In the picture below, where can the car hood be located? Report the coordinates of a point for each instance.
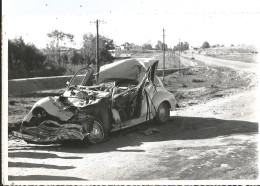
(132, 69)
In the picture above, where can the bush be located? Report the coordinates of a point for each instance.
(205, 45)
(24, 60)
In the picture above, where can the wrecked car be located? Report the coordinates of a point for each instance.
(126, 93)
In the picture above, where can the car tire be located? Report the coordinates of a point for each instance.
(162, 113)
(98, 133)
(102, 123)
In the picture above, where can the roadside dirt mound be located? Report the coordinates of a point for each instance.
(198, 85)
(237, 53)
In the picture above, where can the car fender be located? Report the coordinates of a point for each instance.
(53, 107)
(162, 96)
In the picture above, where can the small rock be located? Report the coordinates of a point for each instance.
(225, 166)
(216, 165)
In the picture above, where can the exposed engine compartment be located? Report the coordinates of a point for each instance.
(79, 106)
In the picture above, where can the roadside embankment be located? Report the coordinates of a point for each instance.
(28, 85)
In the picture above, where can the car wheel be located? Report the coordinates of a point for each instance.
(39, 114)
(98, 133)
(163, 113)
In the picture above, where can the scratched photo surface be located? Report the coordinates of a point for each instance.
(110, 91)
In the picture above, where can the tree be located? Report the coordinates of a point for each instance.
(185, 46)
(59, 41)
(205, 45)
(159, 46)
(108, 43)
(89, 49)
(76, 57)
(181, 46)
(105, 55)
(24, 60)
(147, 46)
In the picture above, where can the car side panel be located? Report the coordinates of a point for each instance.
(160, 96)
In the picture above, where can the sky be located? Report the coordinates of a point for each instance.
(136, 21)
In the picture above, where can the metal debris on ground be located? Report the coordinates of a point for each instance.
(150, 131)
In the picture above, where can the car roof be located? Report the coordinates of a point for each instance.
(125, 69)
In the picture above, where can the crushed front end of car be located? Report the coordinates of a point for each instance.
(51, 131)
(79, 113)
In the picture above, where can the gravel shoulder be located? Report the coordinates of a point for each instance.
(240, 106)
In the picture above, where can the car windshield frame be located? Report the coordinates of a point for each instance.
(77, 74)
(108, 82)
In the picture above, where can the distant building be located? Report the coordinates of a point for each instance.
(136, 47)
(115, 52)
(112, 52)
(195, 48)
(131, 47)
(125, 50)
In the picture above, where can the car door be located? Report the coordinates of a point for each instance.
(150, 85)
(149, 91)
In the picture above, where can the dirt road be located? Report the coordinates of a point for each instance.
(215, 140)
(238, 65)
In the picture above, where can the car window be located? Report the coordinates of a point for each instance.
(79, 77)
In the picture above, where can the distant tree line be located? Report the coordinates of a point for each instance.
(207, 45)
(159, 46)
(182, 46)
(59, 58)
(26, 60)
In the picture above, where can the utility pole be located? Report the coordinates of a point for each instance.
(97, 50)
(163, 47)
(97, 22)
(179, 55)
